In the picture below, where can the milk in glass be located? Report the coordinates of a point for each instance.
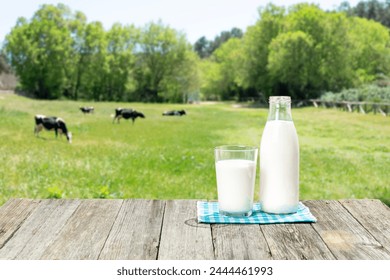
(235, 168)
(235, 183)
(279, 160)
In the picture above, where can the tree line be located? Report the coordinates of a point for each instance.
(373, 9)
(59, 54)
(300, 51)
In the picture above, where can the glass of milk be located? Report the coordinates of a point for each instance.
(235, 167)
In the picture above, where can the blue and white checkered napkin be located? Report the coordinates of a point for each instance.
(208, 212)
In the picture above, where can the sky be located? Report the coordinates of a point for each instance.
(195, 18)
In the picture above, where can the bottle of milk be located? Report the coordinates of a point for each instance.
(279, 159)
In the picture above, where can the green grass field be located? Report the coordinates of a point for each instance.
(343, 155)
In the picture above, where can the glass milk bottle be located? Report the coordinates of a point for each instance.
(279, 159)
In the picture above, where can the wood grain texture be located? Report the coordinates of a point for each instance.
(295, 242)
(239, 242)
(39, 230)
(86, 231)
(12, 215)
(153, 229)
(343, 234)
(136, 231)
(182, 238)
(374, 216)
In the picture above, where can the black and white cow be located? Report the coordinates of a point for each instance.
(87, 110)
(174, 113)
(127, 114)
(52, 123)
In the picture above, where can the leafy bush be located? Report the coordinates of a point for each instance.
(368, 93)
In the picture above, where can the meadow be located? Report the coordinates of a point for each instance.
(342, 155)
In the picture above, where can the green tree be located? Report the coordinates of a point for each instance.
(162, 54)
(369, 48)
(229, 57)
(210, 76)
(336, 69)
(329, 61)
(223, 37)
(205, 48)
(256, 47)
(92, 62)
(185, 80)
(75, 68)
(290, 66)
(373, 9)
(40, 51)
(308, 51)
(202, 47)
(121, 42)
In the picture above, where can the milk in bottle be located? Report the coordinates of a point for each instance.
(279, 159)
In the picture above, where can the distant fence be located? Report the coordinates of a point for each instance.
(352, 106)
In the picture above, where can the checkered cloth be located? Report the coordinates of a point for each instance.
(208, 212)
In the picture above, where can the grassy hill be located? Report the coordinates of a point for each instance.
(343, 155)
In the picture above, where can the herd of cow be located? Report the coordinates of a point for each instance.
(59, 126)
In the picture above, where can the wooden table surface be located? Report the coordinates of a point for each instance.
(167, 229)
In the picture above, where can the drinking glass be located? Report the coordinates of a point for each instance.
(235, 167)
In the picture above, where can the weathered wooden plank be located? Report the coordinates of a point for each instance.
(116, 229)
(239, 242)
(12, 215)
(373, 215)
(136, 231)
(182, 237)
(343, 234)
(39, 229)
(85, 232)
(295, 242)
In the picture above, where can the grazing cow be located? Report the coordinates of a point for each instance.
(127, 114)
(174, 113)
(52, 123)
(87, 110)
